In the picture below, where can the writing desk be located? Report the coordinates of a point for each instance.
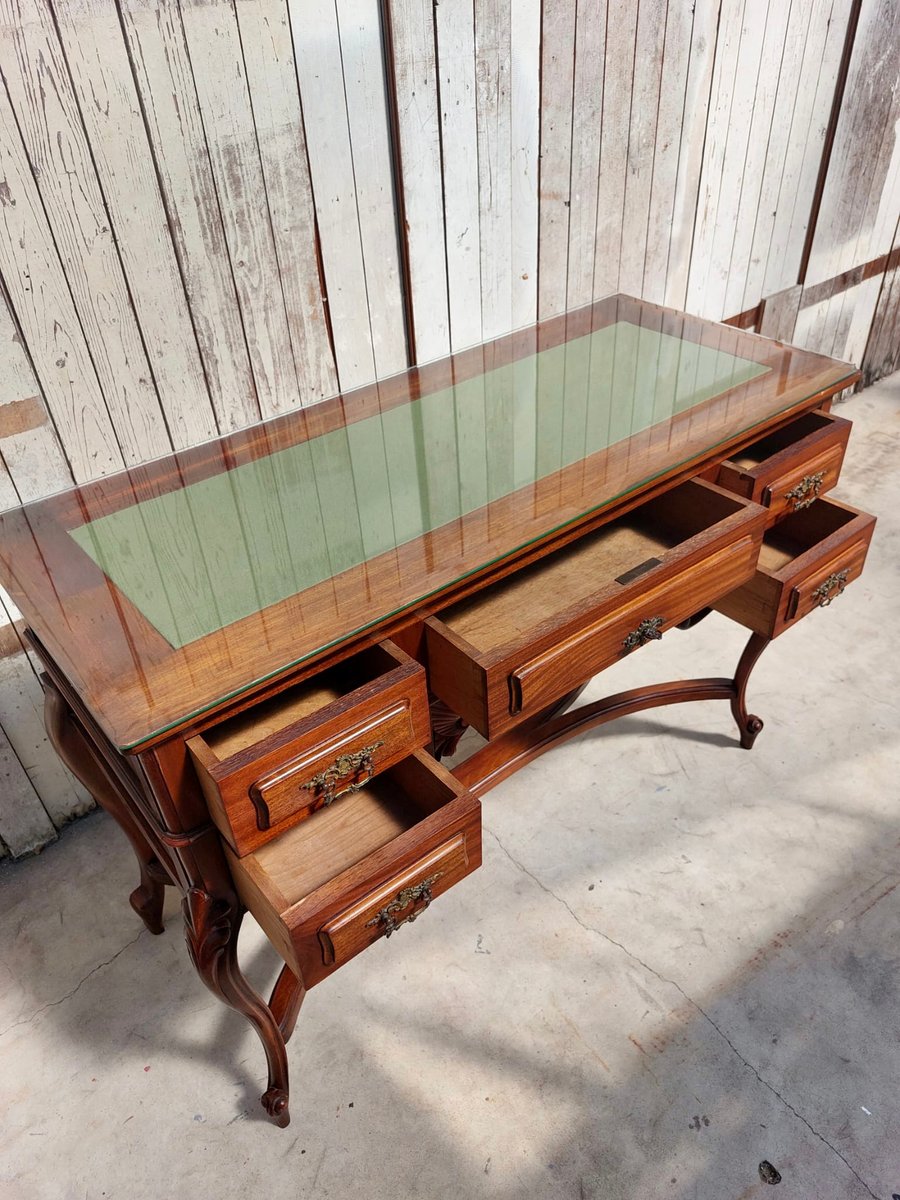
(257, 651)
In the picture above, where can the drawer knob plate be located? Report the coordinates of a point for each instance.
(806, 492)
(358, 766)
(648, 631)
(409, 896)
(831, 588)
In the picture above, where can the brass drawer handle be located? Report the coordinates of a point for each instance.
(404, 899)
(825, 592)
(806, 492)
(345, 766)
(648, 631)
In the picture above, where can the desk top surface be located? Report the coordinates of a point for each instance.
(171, 588)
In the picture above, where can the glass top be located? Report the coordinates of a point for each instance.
(277, 526)
(174, 587)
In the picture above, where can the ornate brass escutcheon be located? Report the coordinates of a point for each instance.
(831, 588)
(404, 899)
(648, 631)
(345, 766)
(806, 492)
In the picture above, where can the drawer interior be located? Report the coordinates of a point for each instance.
(619, 552)
(333, 839)
(773, 443)
(295, 703)
(799, 532)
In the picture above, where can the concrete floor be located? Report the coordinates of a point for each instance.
(679, 959)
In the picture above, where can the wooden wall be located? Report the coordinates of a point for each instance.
(215, 210)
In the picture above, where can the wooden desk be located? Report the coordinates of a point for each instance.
(257, 652)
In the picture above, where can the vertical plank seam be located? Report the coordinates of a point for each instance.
(320, 263)
(712, 80)
(215, 186)
(662, 67)
(440, 131)
(52, 236)
(837, 105)
(164, 200)
(26, 349)
(396, 151)
(265, 187)
(112, 229)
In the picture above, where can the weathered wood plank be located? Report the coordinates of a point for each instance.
(779, 314)
(462, 220)
(277, 117)
(217, 66)
(692, 143)
(39, 295)
(160, 62)
(860, 200)
(41, 93)
(670, 121)
(415, 93)
(104, 86)
(317, 51)
(24, 824)
(492, 74)
(33, 459)
(525, 75)
(818, 73)
(21, 715)
(621, 31)
(882, 353)
(642, 141)
(587, 107)
(557, 100)
(365, 87)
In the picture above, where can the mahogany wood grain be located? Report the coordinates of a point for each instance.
(797, 556)
(257, 768)
(514, 648)
(140, 688)
(316, 889)
(769, 470)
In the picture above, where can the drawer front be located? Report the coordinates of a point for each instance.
(804, 463)
(544, 678)
(801, 486)
(400, 901)
(823, 585)
(773, 600)
(335, 767)
(283, 778)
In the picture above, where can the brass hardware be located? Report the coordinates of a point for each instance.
(806, 492)
(406, 897)
(823, 592)
(647, 631)
(343, 767)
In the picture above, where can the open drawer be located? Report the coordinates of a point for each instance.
(511, 650)
(355, 872)
(805, 562)
(789, 469)
(282, 760)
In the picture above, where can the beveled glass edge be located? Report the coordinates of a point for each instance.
(201, 710)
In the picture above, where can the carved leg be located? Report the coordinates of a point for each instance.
(211, 929)
(287, 996)
(76, 751)
(748, 724)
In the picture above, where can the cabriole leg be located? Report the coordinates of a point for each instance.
(211, 929)
(748, 725)
(76, 751)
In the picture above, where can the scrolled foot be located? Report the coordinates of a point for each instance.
(750, 730)
(275, 1102)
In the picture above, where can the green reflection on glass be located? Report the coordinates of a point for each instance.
(197, 559)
